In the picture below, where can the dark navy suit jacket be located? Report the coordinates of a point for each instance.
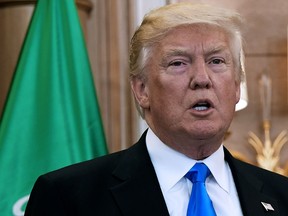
(125, 183)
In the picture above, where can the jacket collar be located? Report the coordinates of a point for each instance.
(138, 191)
(249, 189)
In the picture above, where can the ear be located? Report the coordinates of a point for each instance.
(140, 91)
(238, 91)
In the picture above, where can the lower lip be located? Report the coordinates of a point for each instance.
(202, 112)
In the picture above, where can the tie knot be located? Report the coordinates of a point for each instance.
(198, 173)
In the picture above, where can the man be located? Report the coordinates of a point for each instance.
(186, 67)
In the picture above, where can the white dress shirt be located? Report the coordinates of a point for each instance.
(171, 167)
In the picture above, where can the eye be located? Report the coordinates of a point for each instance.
(177, 66)
(176, 63)
(217, 61)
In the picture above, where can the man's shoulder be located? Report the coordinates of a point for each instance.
(267, 176)
(247, 169)
(95, 166)
(98, 168)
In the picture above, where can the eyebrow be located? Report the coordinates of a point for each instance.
(172, 53)
(176, 52)
(207, 52)
(216, 49)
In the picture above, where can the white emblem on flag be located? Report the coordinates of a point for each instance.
(18, 206)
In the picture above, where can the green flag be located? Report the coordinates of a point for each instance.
(51, 118)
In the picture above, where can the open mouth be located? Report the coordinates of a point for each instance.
(202, 106)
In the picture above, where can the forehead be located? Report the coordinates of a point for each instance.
(195, 37)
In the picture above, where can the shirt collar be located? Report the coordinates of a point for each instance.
(219, 168)
(162, 157)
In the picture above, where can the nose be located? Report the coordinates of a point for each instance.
(200, 79)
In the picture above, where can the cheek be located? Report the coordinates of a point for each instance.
(228, 94)
(231, 99)
(235, 92)
(166, 94)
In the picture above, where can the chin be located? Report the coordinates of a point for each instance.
(208, 133)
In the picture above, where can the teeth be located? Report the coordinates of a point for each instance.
(200, 108)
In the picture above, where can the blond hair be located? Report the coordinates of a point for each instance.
(157, 23)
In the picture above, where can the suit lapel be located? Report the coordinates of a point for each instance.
(249, 190)
(138, 192)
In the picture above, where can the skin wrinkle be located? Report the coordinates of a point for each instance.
(172, 89)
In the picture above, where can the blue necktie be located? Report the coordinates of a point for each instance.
(200, 203)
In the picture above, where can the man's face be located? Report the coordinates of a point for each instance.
(190, 91)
